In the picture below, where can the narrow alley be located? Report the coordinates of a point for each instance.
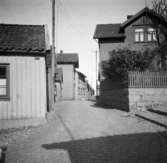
(81, 132)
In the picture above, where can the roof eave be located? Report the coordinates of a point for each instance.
(76, 64)
(111, 37)
(22, 53)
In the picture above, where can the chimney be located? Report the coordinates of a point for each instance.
(129, 16)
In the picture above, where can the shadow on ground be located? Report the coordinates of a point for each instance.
(132, 148)
(152, 121)
(102, 106)
(105, 106)
(158, 112)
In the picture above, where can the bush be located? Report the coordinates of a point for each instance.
(123, 60)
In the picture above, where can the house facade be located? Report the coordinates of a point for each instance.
(23, 82)
(68, 62)
(136, 33)
(81, 86)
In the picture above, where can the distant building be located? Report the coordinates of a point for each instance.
(68, 62)
(23, 78)
(83, 90)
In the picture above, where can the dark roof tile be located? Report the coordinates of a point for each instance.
(108, 31)
(68, 58)
(22, 38)
(81, 74)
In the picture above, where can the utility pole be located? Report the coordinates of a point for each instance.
(53, 55)
(96, 75)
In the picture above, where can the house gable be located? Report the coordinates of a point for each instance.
(143, 23)
(123, 35)
(116, 33)
(146, 12)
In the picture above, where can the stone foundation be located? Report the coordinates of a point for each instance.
(130, 98)
(147, 96)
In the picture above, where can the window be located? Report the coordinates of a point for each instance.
(4, 81)
(151, 34)
(139, 35)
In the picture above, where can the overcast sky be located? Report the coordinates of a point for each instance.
(76, 22)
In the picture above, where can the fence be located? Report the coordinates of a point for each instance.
(147, 79)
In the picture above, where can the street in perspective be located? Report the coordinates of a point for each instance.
(83, 132)
(83, 81)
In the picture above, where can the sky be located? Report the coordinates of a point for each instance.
(75, 23)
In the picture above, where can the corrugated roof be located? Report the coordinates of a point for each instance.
(108, 31)
(68, 58)
(22, 38)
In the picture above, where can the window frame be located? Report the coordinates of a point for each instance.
(152, 34)
(7, 96)
(140, 34)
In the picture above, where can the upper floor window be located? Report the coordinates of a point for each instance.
(139, 35)
(151, 34)
(4, 81)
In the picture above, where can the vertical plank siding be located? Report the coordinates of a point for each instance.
(147, 79)
(27, 88)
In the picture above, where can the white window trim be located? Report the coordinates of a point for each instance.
(7, 96)
(139, 35)
(151, 34)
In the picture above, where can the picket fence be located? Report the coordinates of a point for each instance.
(147, 79)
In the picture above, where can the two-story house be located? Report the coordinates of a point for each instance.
(136, 33)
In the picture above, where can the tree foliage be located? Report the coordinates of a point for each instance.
(123, 60)
(160, 7)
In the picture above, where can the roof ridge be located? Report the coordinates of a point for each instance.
(139, 13)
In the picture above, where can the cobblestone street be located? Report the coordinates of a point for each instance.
(81, 132)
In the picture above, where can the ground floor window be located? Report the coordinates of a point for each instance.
(4, 81)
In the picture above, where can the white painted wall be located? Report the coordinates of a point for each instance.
(27, 88)
(68, 92)
(76, 85)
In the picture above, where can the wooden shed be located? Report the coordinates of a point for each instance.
(23, 83)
